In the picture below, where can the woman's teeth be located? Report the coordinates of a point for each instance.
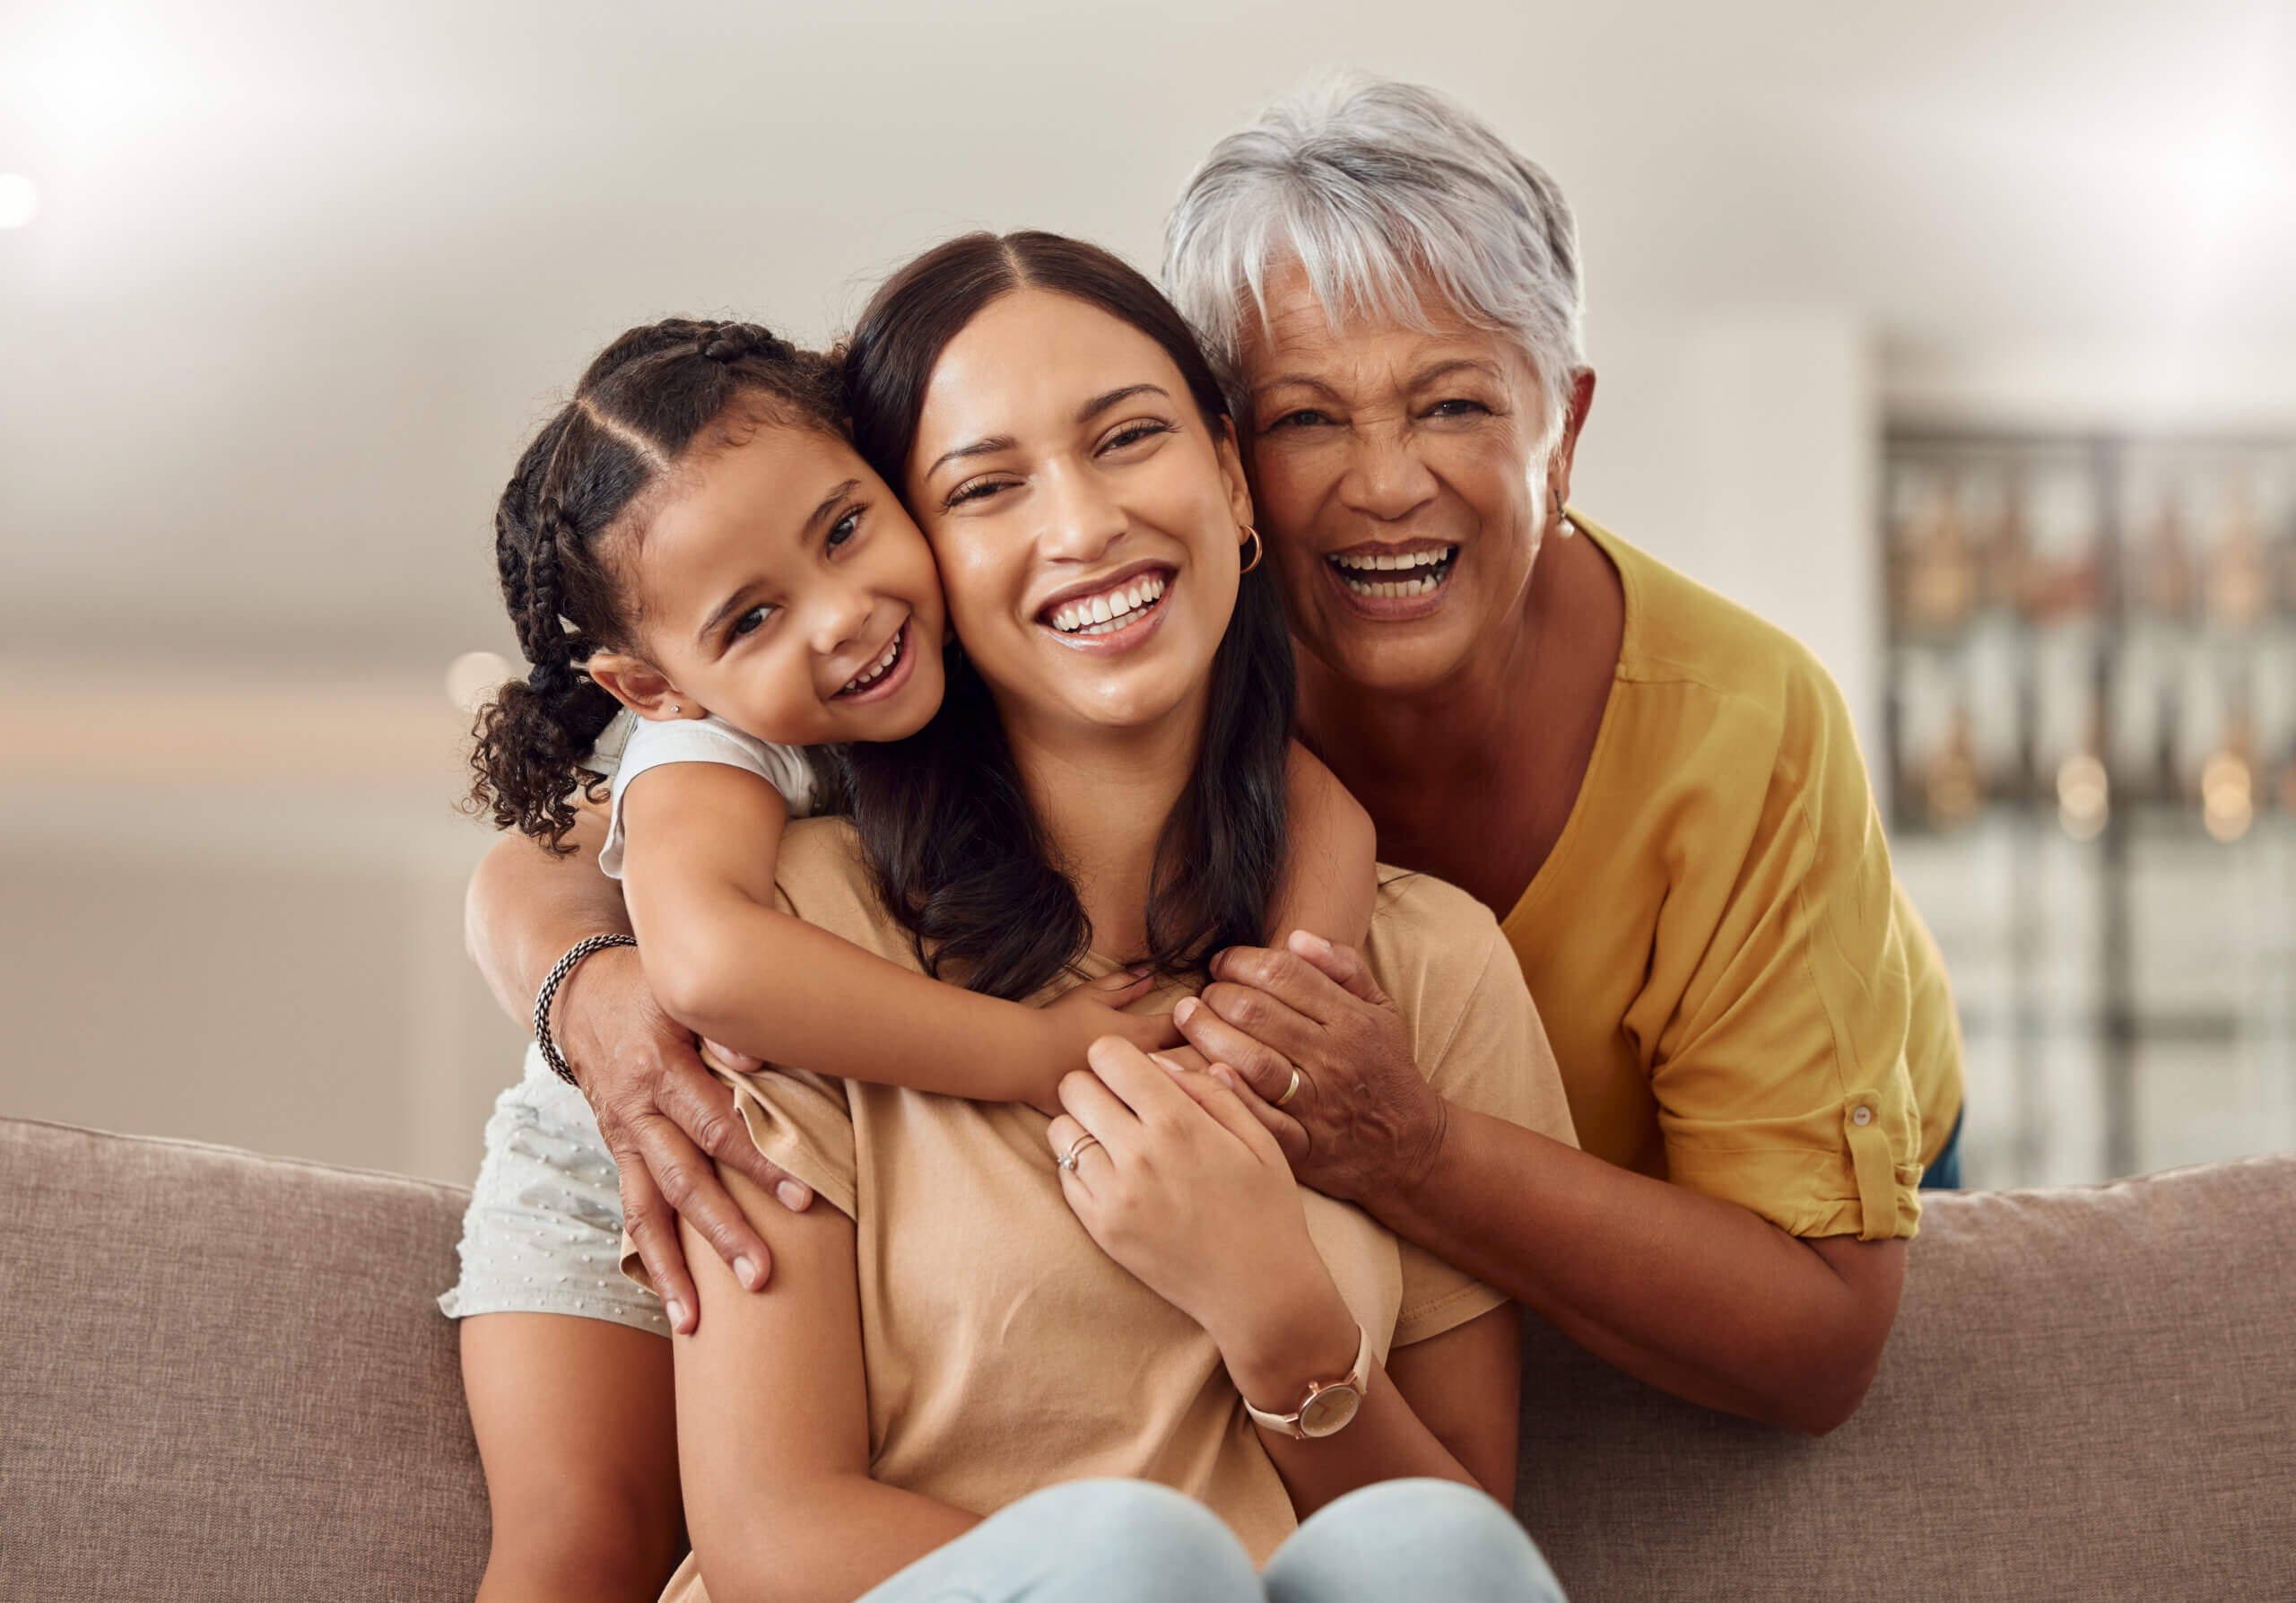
(1106, 613)
(1398, 574)
(877, 670)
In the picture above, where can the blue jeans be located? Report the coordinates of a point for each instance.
(1945, 1173)
(1128, 1541)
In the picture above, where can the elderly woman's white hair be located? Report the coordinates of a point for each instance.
(1378, 190)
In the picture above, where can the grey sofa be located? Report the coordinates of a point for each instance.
(224, 1379)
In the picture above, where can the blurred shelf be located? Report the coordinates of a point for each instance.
(2092, 739)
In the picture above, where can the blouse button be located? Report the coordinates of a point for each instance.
(1861, 1115)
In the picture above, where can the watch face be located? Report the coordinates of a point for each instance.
(1329, 1411)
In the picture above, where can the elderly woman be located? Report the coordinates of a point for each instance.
(1658, 793)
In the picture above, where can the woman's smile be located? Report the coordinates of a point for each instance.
(1392, 582)
(1110, 614)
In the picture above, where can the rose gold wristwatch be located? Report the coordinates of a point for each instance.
(1330, 1405)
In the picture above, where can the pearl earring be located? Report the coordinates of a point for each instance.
(676, 709)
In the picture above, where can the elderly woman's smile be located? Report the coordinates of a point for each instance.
(1375, 573)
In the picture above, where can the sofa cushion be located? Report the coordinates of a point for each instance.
(2089, 1394)
(224, 1379)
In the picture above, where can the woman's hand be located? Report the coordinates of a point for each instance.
(1364, 1124)
(665, 1118)
(1179, 1184)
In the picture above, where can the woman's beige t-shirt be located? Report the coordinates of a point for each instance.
(1005, 1351)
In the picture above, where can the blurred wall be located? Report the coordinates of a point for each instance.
(233, 914)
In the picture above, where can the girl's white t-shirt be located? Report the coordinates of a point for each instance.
(631, 745)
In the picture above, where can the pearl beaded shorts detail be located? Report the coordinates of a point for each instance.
(542, 1233)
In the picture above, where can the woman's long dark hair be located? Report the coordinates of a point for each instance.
(957, 851)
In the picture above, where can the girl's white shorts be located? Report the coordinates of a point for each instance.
(542, 1233)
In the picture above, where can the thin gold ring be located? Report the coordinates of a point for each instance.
(1067, 1165)
(1291, 1090)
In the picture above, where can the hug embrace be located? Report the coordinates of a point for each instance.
(1081, 1090)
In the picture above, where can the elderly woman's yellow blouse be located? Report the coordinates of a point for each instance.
(1740, 997)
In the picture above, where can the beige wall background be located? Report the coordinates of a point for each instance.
(304, 278)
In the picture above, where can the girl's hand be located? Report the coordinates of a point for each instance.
(1072, 1021)
(1364, 1125)
(1182, 1186)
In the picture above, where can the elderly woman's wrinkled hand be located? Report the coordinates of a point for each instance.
(667, 1122)
(1360, 1123)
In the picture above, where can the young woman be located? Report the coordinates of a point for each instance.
(692, 549)
(994, 1306)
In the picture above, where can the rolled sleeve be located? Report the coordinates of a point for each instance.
(1825, 1173)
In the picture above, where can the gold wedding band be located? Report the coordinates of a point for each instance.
(1291, 1090)
(1067, 1165)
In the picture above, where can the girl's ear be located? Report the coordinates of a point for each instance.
(1231, 473)
(640, 686)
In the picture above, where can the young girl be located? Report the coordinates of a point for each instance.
(706, 578)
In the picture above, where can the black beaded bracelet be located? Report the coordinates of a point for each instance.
(549, 993)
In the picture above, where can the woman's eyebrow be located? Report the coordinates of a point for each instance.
(979, 448)
(1288, 380)
(1100, 404)
(1444, 369)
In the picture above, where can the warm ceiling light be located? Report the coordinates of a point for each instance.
(19, 200)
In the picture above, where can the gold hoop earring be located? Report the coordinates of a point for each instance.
(1258, 550)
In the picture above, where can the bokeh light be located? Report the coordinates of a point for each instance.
(2084, 796)
(2226, 797)
(474, 677)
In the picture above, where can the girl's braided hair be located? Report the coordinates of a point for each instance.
(639, 406)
